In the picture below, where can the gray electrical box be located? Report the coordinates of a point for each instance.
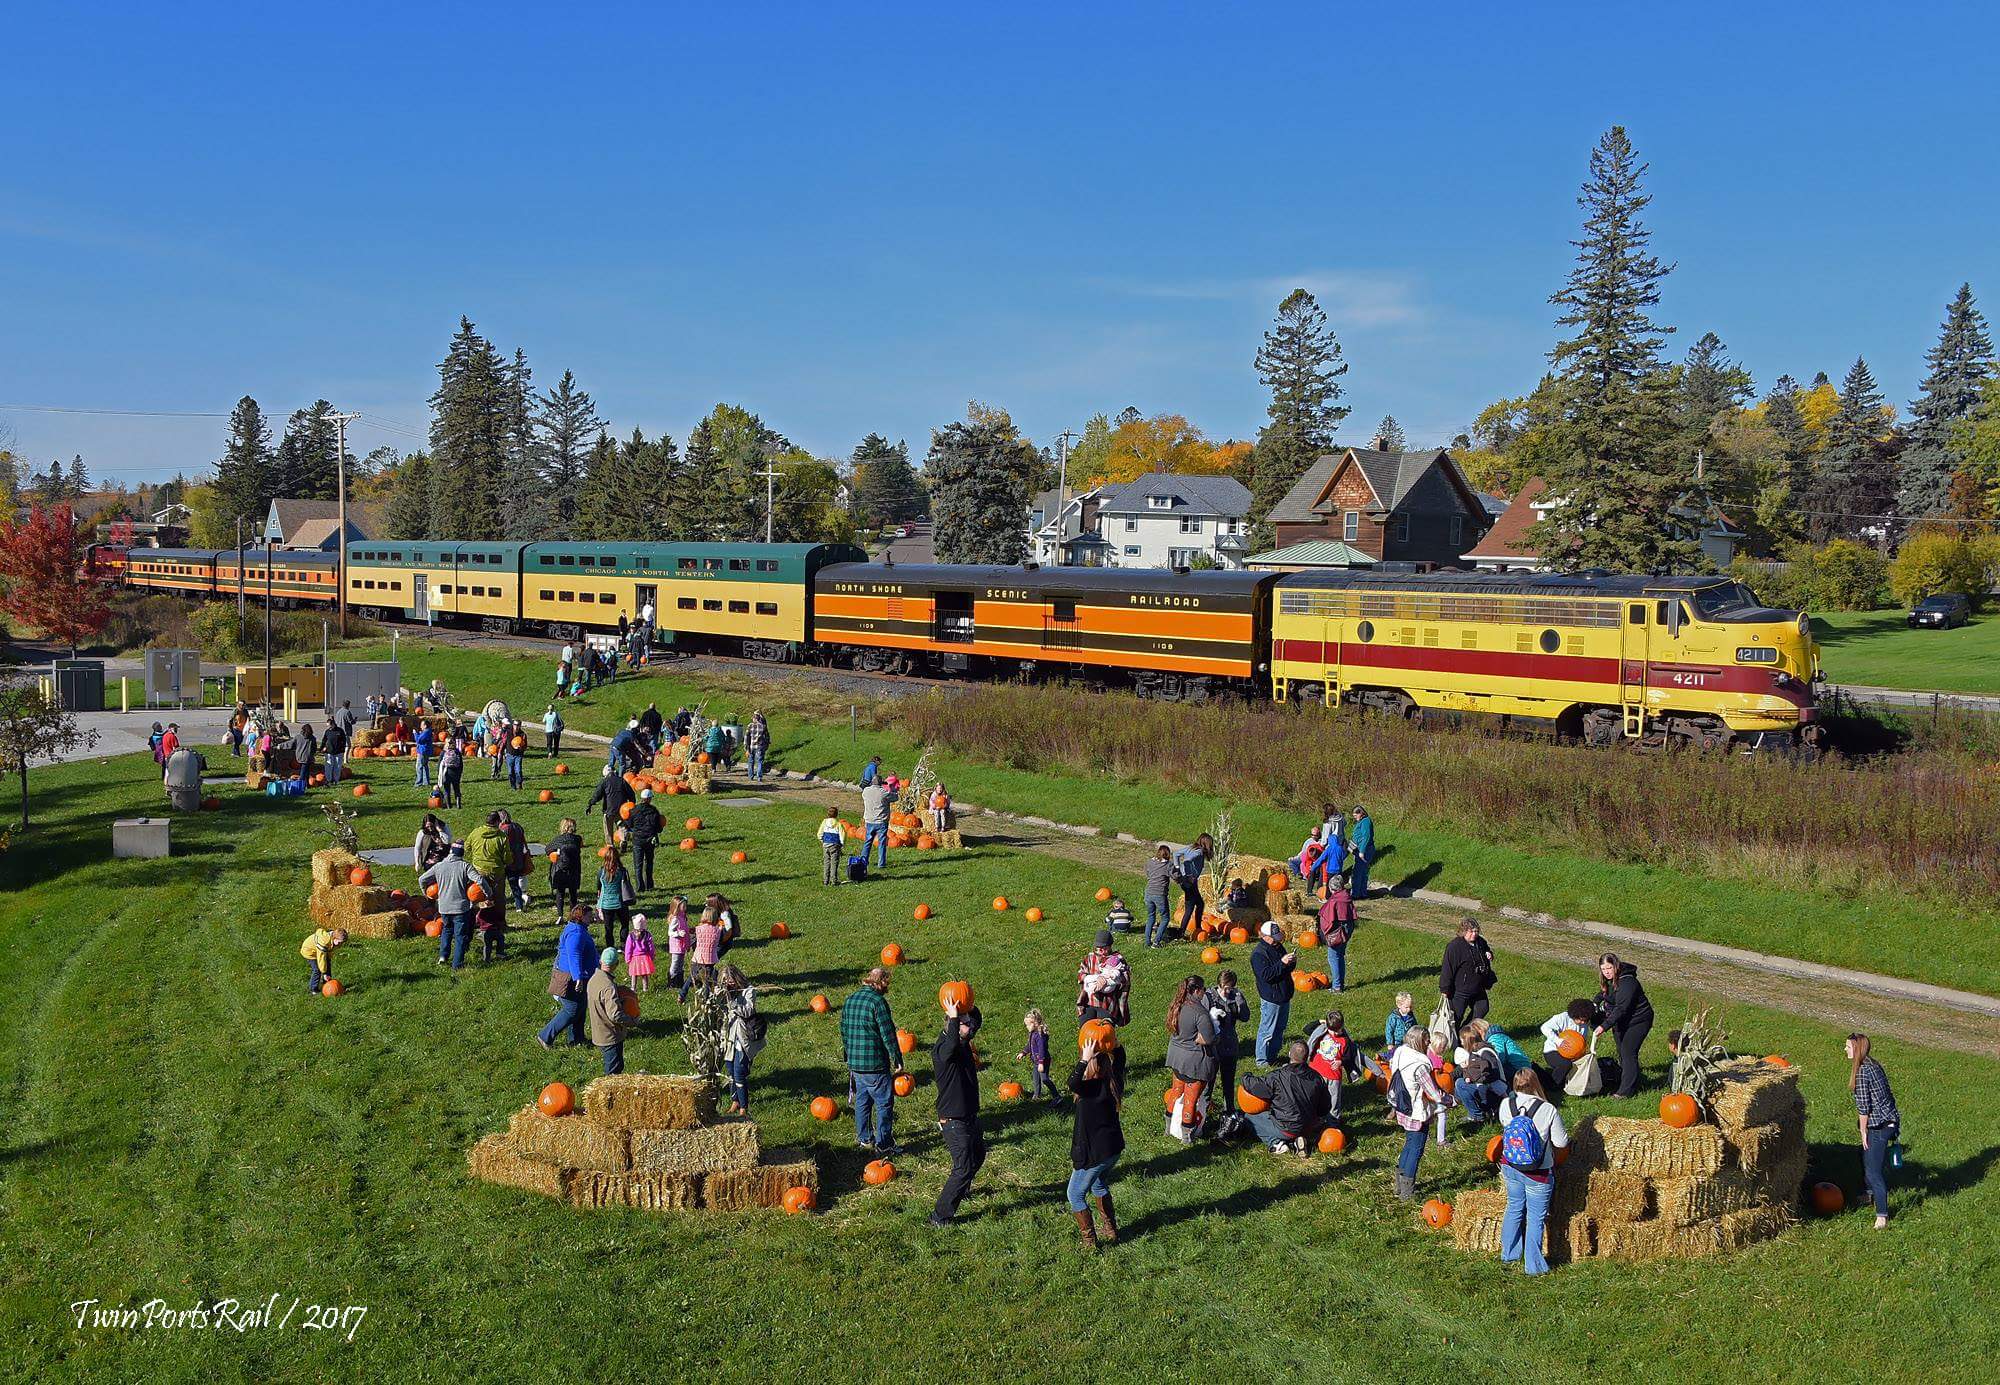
(80, 684)
(173, 676)
(352, 682)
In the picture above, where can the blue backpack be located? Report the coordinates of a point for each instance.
(1521, 1143)
(1399, 1096)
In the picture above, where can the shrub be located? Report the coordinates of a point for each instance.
(1841, 576)
(1932, 562)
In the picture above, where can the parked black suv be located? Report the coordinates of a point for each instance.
(1941, 612)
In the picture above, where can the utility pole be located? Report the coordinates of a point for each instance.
(1062, 490)
(239, 581)
(270, 554)
(770, 475)
(340, 422)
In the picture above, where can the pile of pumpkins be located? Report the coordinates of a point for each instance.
(907, 829)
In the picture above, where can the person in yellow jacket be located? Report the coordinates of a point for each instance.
(317, 949)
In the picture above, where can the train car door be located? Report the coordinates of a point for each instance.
(1632, 658)
(420, 595)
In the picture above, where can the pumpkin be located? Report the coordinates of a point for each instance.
(818, 1005)
(1305, 983)
(631, 779)
(546, 796)
(434, 928)
(604, 853)
(904, 1084)
(436, 802)
(628, 1001)
(999, 903)
(1332, 1140)
(361, 791)
(687, 843)
(1778, 1060)
(800, 1199)
(921, 912)
(1034, 916)
(702, 758)
(562, 769)
(331, 987)
(1493, 1150)
(1239, 936)
(431, 891)
(1101, 1032)
(475, 892)
(624, 812)
(892, 955)
(737, 858)
(399, 897)
(823, 1108)
(926, 842)
(1571, 1045)
(1437, 1213)
(1678, 1109)
(1210, 956)
(557, 1100)
(955, 993)
(554, 857)
(905, 1040)
(1009, 1091)
(1827, 1198)
(692, 824)
(1277, 882)
(877, 1171)
(1309, 938)
(209, 805)
(781, 929)
(1103, 894)
(520, 742)
(1248, 1104)
(360, 875)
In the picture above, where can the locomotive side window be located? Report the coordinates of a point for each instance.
(1551, 641)
(1635, 614)
(1365, 631)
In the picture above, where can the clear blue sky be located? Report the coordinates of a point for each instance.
(856, 218)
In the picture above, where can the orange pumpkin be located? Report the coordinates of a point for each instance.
(1210, 956)
(904, 1084)
(628, 1001)
(1305, 983)
(520, 742)
(892, 955)
(1101, 1032)
(1103, 894)
(1827, 1198)
(361, 791)
(431, 891)
(1778, 1060)
(737, 858)
(1239, 936)
(702, 758)
(692, 824)
(330, 987)
(399, 897)
(687, 843)
(1332, 1140)
(926, 842)
(546, 796)
(434, 928)
(1000, 904)
(436, 802)
(1493, 1150)
(1250, 1105)
(562, 769)
(360, 875)
(781, 929)
(475, 892)
(877, 1171)
(1277, 881)
(921, 912)
(624, 812)
(1437, 1213)
(1679, 1110)
(557, 1100)
(818, 1005)
(905, 1040)
(1009, 1091)
(605, 853)
(1034, 916)
(823, 1108)
(1571, 1045)
(800, 1199)
(209, 805)
(1309, 938)
(554, 857)
(955, 993)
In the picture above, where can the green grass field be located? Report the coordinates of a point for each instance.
(1876, 649)
(183, 1121)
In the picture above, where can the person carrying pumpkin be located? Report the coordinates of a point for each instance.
(1622, 1008)
(454, 877)
(565, 867)
(607, 1012)
(956, 1071)
(1295, 1104)
(1559, 1051)
(1097, 1133)
(873, 1057)
(1190, 1059)
(318, 950)
(575, 950)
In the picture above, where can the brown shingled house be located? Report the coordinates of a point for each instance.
(1393, 506)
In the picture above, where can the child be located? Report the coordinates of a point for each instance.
(831, 838)
(1332, 1055)
(1037, 1054)
(1239, 895)
(1119, 920)
(680, 936)
(1574, 1018)
(1483, 1084)
(1227, 1007)
(1159, 875)
(317, 949)
(1400, 1021)
(707, 947)
(639, 954)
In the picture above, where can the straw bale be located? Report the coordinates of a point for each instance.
(495, 1160)
(713, 1149)
(386, 926)
(1476, 1216)
(256, 779)
(645, 1192)
(1576, 1238)
(368, 737)
(1656, 1240)
(642, 1101)
(346, 903)
(1768, 1148)
(570, 1141)
(699, 777)
(953, 840)
(1754, 1093)
(1686, 1201)
(1603, 1194)
(737, 1190)
(330, 867)
(1248, 916)
(1648, 1147)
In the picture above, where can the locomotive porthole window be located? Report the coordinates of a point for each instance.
(1551, 641)
(1365, 631)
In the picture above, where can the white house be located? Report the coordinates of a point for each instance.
(1163, 520)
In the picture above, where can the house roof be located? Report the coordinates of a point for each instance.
(1508, 538)
(1222, 496)
(310, 523)
(1389, 474)
(1312, 553)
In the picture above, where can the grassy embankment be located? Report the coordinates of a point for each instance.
(184, 1121)
(1876, 649)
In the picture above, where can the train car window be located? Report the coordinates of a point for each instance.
(645, 562)
(767, 608)
(548, 595)
(567, 560)
(739, 564)
(711, 605)
(1551, 641)
(565, 596)
(1365, 631)
(767, 565)
(686, 564)
(1063, 608)
(1635, 614)
(712, 564)
(546, 560)
(741, 608)
(686, 603)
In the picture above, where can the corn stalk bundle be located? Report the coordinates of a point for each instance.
(1215, 878)
(340, 823)
(702, 1026)
(1702, 1058)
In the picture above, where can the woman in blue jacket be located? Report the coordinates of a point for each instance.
(1361, 846)
(576, 963)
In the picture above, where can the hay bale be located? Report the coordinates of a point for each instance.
(712, 1149)
(1577, 1238)
(570, 1141)
(495, 1160)
(644, 1192)
(1476, 1217)
(386, 926)
(1651, 1148)
(641, 1101)
(330, 867)
(1658, 1240)
(1768, 1148)
(1250, 916)
(1686, 1201)
(700, 778)
(256, 779)
(1602, 1194)
(1753, 1093)
(368, 737)
(346, 903)
(953, 840)
(738, 1190)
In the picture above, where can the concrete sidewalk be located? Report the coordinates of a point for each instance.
(126, 733)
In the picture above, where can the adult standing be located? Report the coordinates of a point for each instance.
(1622, 1007)
(742, 1036)
(1528, 1168)
(1360, 851)
(576, 954)
(1228, 1007)
(1097, 1136)
(875, 819)
(552, 729)
(432, 845)
(615, 897)
(1466, 974)
(1189, 863)
(518, 864)
(607, 1013)
(333, 746)
(424, 741)
(1881, 1122)
(1190, 1058)
(454, 876)
(1272, 965)
(565, 867)
(305, 748)
(1104, 983)
(1337, 921)
(956, 1074)
(868, 1046)
(645, 826)
(451, 771)
(651, 722)
(1410, 1071)
(614, 793)
(490, 853)
(1297, 1103)
(757, 744)
(514, 747)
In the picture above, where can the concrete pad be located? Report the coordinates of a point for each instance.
(747, 801)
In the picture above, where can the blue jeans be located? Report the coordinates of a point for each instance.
(1267, 1127)
(614, 1057)
(457, 933)
(874, 1092)
(1413, 1151)
(756, 764)
(877, 832)
(1479, 1100)
(1527, 1212)
(1336, 966)
(569, 1015)
(739, 1080)
(333, 768)
(1874, 1165)
(423, 770)
(1358, 878)
(1159, 916)
(1271, 1017)
(1094, 1181)
(513, 770)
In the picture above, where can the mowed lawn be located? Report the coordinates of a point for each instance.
(1876, 649)
(183, 1121)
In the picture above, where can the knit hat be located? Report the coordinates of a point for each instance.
(1104, 937)
(608, 957)
(638, 920)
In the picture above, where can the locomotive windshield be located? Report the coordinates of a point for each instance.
(1711, 602)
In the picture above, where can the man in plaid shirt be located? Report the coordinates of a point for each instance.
(868, 1047)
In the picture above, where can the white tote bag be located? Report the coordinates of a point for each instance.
(1584, 1077)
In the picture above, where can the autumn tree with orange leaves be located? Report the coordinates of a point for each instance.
(44, 578)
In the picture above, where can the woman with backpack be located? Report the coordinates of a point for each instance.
(742, 1035)
(1531, 1131)
(1414, 1097)
(1190, 1058)
(1336, 928)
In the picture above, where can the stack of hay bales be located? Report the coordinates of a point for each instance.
(643, 1142)
(365, 911)
(948, 838)
(369, 737)
(700, 777)
(1292, 907)
(1642, 1190)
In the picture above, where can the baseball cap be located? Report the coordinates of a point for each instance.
(608, 957)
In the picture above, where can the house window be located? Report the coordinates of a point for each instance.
(1350, 525)
(1131, 550)
(1403, 527)
(1190, 524)
(1159, 502)
(1457, 530)
(767, 608)
(1181, 557)
(1131, 526)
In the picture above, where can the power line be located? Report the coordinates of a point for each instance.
(121, 413)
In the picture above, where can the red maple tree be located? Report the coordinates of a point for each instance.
(45, 581)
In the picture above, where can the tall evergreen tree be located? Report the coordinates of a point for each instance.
(243, 481)
(980, 475)
(1959, 364)
(1781, 411)
(602, 501)
(566, 422)
(1711, 384)
(525, 512)
(1621, 484)
(1277, 461)
(304, 466)
(1299, 362)
(1788, 488)
(1854, 488)
(725, 495)
(653, 481)
(1389, 435)
(409, 515)
(78, 479)
(886, 489)
(470, 434)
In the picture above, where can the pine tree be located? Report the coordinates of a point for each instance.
(651, 475)
(1389, 435)
(1299, 362)
(304, 467)
(243, 480)
(601, 499)
(525, 512)
(1853, 488)
(469, 438)
(725, 494)
(78, 480)
(1959, 365)
(565, 423)
(409, 515)
(1621, 483)
(886, 488)
(1711, 384)
(1787, 489)
(10, 486)
(1277, 462)
(980, 474)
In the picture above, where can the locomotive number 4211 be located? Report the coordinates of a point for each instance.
(1691, 680)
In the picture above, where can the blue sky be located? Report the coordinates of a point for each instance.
(855, 218)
